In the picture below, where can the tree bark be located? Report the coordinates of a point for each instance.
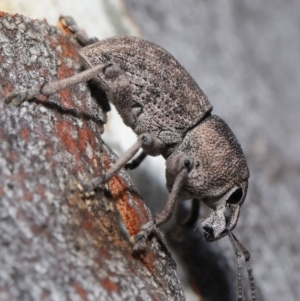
(55, 244)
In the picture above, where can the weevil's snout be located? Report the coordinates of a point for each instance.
(225, 215)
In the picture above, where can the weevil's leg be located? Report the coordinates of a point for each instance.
(247, 257)
(192, 218)
(239, 266)
(79, 34)
(186, 164)
(145, 141)
(165, 215)
(17, 98)
(136, 162)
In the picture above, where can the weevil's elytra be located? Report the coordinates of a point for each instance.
(166, 99)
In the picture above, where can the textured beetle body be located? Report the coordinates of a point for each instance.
(167, 103)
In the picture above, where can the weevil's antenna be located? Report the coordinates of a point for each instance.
(239, 250)
(239, 267)
(247, 257)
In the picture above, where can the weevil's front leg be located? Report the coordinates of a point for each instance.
(79, 34)
(17, 98)
(184, 165)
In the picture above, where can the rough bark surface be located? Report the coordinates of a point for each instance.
(55, 245)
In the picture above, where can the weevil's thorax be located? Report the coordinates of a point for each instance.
(219, 162)
(166, 99)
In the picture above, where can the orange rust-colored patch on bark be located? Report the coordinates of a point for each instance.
(1, 191)
(63, 129)
(147, 259)
(109, 285)
(133, 212)
(81, 291)
(66, 99)
(87, 137)
(40, 189)
(63, 28)
(1, 14)
(68, 50)
(25, 133)
(87, 223)
(7, 88)
(154, 298)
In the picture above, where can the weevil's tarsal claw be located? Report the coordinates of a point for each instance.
(140, 240)
(70, 23)
(79, 34)
(16, 98)
(93, 183)
(85, 194)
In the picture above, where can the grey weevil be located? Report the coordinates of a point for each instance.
(171, 115)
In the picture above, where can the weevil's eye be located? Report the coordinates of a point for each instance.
(186, 161)
(208, 231)
(235, 197)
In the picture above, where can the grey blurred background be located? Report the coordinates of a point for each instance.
(245, 55)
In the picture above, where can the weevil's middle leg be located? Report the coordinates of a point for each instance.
(145, 141)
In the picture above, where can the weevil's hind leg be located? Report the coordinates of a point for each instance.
(185, 164)
(17, 98)
(136, 162)
(79, 34)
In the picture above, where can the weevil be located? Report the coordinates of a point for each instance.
(172, 117)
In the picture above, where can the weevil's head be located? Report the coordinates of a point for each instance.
(226, 213)
(219, 177)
